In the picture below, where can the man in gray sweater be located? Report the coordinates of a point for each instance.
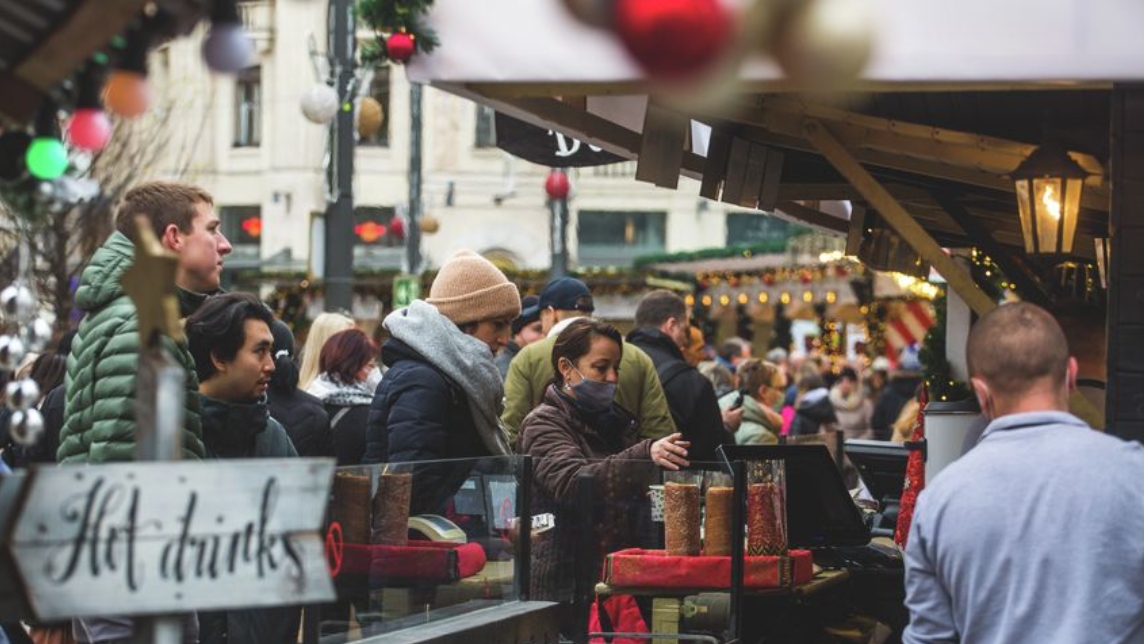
(1034, 535)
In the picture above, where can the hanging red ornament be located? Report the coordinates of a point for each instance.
(804, 276)
(841, 271)
(399, 47)
(769, 279)
(397, 227)
(557, 185)
(673, 39)
(89, 127)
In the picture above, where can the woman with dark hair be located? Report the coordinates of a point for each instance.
(344, 366)
(578, 429)
(301, 413)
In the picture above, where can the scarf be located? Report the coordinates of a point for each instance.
(464, 359)
(337, 394)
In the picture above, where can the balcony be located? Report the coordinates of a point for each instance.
(258, 19)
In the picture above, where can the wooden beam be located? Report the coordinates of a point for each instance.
(589, 128)
(661, 146)
(952, 146)
(897, 217)
(1027, 284)
(90, 26)
(812, 217)
(715, 169)
(548, 89)
(900, 146)
(21, 99)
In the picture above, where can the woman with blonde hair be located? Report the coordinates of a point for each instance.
(323, 327)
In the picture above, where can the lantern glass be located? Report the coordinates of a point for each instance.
(1048, 204)
(1102, 247)
(1024, 204)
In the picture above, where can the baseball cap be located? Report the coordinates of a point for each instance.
(566, 294)
(529, 313)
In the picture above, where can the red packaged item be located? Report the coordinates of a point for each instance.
(656, 569)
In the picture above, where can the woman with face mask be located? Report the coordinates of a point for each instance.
(761, 389)
(578, 429)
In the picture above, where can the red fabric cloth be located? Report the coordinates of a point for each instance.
(621, 615)
(419, 561)
(915, 475)
(656, 569)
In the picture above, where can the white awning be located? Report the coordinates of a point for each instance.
(968, 42)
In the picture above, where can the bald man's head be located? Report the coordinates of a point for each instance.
(1017, 349)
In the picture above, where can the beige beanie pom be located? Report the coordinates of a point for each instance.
(469, 288)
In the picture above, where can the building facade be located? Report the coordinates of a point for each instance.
(245, 140)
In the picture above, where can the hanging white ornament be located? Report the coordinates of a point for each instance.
(23, 394)
(17, 302)
(11, 352)
(37, 335)
(320, 104)
(26, 427)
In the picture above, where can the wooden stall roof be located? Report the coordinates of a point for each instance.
(44, 42)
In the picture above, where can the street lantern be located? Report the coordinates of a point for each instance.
(1049, 184)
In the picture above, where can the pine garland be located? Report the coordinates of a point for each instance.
(938, 372)
(387, 17)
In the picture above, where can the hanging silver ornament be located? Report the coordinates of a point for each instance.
(26, 427)
(11, 352)
(37, 335)
(23, 394)
(17, 302)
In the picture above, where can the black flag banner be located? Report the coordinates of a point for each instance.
(547, 147)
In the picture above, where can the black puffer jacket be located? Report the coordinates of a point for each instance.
(814, 414)
(419, 414)
(690, 396)
(304, 418)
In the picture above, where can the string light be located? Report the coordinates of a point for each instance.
(764, 297)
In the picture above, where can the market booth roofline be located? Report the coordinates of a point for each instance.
(926, 141)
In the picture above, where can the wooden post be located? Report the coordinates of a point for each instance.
(160, 383)
(1124, 405)
(896, 215)
(958, 320)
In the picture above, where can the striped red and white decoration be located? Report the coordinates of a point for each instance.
(907, 325)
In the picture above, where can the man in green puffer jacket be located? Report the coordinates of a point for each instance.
(99, 416)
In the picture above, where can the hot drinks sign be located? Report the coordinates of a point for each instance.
(154, 538)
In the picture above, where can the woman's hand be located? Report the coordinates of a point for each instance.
(670, 452)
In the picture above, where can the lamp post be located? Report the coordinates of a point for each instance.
(1049, 184)
(557, 186)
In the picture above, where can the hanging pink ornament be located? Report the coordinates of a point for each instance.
(89, 129)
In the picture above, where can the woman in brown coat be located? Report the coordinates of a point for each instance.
(577, 430)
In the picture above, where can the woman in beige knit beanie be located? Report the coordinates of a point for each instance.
(477, 297)
(443, 395)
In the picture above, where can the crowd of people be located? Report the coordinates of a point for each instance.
(474, 370)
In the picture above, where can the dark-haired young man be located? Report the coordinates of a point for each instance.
(229, 337)
(105, 352)
(1033, 535)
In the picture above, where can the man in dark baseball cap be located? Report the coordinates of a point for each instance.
(565, 298)
(561, 301)
(526, 329)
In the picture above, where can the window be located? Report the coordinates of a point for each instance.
(617, 238)
(379, 90)
(377, 242)
(486, 127)
(755, 228)
(242, 226)
(248, 108)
